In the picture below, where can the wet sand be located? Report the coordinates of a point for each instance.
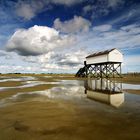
(65, 113)
(61, 120)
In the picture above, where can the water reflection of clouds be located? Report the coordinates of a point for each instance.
(73, 90)
(130, 86)
(25, 85)
(65, 93)
(31, 82)
(23, 78)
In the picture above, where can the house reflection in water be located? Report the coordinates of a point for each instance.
(106, 91)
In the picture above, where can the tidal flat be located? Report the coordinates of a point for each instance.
(55, 107)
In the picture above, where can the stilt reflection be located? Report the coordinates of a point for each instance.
(104, 90)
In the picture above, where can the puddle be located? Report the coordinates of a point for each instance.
(92, 109)
(48, 76)
(76, 91)
(31, 84)
(23, 78)
(130, 86)
(28, 84)
(63, 93)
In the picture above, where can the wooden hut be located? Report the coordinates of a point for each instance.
(108, 56)
(102, 64)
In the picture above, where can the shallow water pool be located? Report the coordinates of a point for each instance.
(70, 110)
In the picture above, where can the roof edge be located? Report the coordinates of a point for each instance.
(101, 53)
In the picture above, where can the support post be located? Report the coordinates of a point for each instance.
(85, 64)
(120, 69)
(113, 70)
(107, 70)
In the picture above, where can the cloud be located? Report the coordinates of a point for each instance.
(87, 8)
(66, 2)
(114, 3)
(53, 61)
(30, 8)
(71, 59)
(5, 57)
(6, 10)
(37, 40)
(3, 53)
(131, 63)
(77, 24)
(130, 14)
(25, 11)
(19, 69)
(104, 38)
(102, 7)
(6, 30)
(61, 61)
(102, 28)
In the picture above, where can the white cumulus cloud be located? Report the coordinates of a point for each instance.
(37, 40)
(74, 25)
(25, 11)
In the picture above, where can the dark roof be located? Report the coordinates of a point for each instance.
(100, 53)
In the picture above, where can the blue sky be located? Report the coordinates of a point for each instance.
(56, 35)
